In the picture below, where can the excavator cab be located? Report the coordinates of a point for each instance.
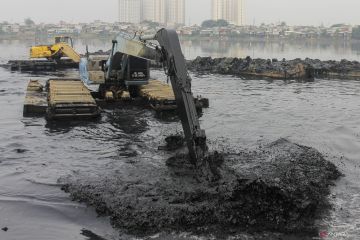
(128, 70)
(64, 39)
(120, 71)
(117, 71)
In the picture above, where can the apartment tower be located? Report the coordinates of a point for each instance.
(130, 11)
(154, 10)
(169, 12)
(229, 10)
(175, 12)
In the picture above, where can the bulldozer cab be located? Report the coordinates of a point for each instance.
(64, 39)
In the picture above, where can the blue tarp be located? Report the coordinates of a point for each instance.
(84, 74)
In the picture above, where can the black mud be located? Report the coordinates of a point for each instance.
(273, 68)
(173, 142)
(282, 187)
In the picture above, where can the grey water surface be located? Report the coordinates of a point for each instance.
(34, 154)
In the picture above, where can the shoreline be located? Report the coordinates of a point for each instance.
(186, 38)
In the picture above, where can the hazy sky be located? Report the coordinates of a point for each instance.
(310, 12)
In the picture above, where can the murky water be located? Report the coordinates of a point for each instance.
(34, 154)
(268, 49)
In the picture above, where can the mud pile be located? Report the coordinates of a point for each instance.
(281, 187)
(284, 69)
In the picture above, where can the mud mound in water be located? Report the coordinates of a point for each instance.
(284, 69)
(280, 187)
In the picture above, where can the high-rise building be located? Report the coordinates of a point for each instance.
(170, 12)
(154, 10)
(237, 12)
(130, 11)
(175, 12)
(218, 8)
(229, 10)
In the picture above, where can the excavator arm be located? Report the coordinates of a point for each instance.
(64, 49)
(174, 61)
(164, 47)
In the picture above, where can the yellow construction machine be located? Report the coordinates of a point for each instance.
(63, 47)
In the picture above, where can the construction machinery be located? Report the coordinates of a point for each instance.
(44, 58)
(126, 72)
(163, 47)
(63, 47)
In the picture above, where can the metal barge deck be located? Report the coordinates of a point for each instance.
(70, 98)
(35, 99)
(160, 97)
(39, 65)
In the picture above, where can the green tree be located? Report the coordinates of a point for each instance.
(214, 23)
(356, 32)
(151, 23)
(337, 25)
(208, 24)
(222, 23)
(323, 33)
(29, 22)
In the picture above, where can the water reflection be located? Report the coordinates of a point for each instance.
(324, 114)
(255, 48)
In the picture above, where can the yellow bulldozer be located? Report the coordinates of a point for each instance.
(63, 47)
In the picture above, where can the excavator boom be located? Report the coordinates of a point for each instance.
(66, 50)
(174, 61)
(165, 47)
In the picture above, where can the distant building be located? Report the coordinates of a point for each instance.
(130, 11)
(175, 12)
(154, 10)
(11, 28)
(229, 10)
(217, 9)
(169, 12)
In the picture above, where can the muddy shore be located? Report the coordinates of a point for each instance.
(281, 187)
(306, 69)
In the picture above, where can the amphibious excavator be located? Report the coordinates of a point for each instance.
(127, 69)
(60, 55)
(63, 47)
(166, 49)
